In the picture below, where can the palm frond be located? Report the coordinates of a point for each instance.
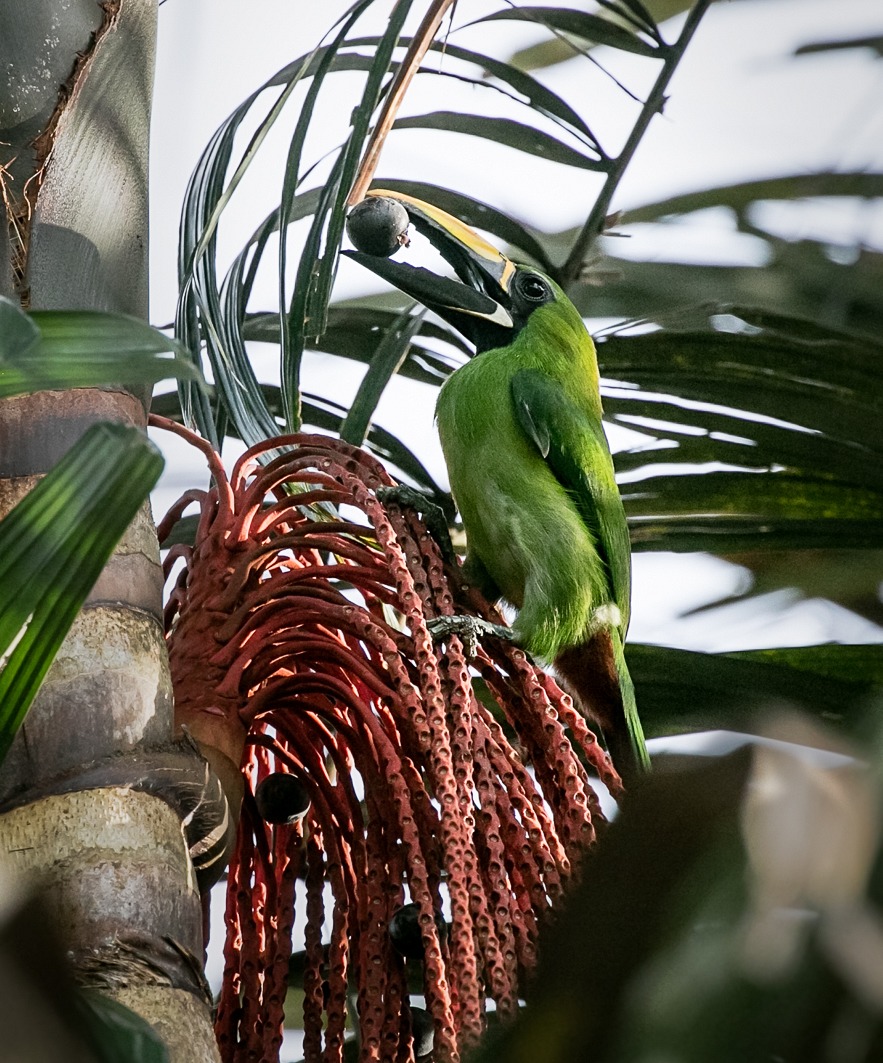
(215, 320)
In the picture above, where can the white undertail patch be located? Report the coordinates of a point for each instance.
(607, 615)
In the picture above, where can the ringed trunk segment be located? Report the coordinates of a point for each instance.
(108, 692)
(97, 748)
(115, 869)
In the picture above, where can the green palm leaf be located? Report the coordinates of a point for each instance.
(57, 349)
(680, 691)
(54, 544)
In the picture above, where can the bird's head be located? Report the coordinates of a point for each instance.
(493, 298)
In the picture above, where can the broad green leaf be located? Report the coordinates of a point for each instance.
(725, 512)
(591, 28)
(679, 691)
(57, 349)
(288, 357)
(355, 332)
(874, 42)
(503, 131)
(831, 385)
(527, 89)
(200, 316)
(19, 336)
(116, 1033)
(54, 544)
(741, 195)
(333, 206)
(859, 666)
(386, 362)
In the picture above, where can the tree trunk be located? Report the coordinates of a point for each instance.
(87, 812)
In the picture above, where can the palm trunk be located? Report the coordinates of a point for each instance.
(73, 143)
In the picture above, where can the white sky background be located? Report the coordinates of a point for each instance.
(739, 108)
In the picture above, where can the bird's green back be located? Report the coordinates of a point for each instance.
(531, 472)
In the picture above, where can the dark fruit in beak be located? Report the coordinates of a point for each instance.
(378, 226)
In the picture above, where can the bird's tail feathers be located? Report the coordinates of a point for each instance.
(596, 674)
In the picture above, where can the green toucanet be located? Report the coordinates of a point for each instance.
(530, 467)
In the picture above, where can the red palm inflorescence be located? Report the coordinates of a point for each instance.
(435, 787)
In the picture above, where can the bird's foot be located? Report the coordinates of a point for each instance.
(433, 515)
(470, 630)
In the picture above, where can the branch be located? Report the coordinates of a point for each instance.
(417, 49)
(654, 103)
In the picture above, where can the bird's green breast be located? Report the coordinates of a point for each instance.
(520, 523)
(494, 472)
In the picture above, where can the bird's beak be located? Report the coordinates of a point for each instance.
(478, 304)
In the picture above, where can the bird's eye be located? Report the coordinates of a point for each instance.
(533, 289)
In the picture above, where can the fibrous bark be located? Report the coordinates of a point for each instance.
(95, 759)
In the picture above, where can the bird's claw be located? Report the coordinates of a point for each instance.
(470, 629)
(433, 515)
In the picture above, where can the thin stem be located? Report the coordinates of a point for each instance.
(654, 103)
(568, 42)
(418, 48)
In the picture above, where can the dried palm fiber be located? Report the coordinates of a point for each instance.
(298, 643)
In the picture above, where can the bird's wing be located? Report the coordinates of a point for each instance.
(573, 444)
